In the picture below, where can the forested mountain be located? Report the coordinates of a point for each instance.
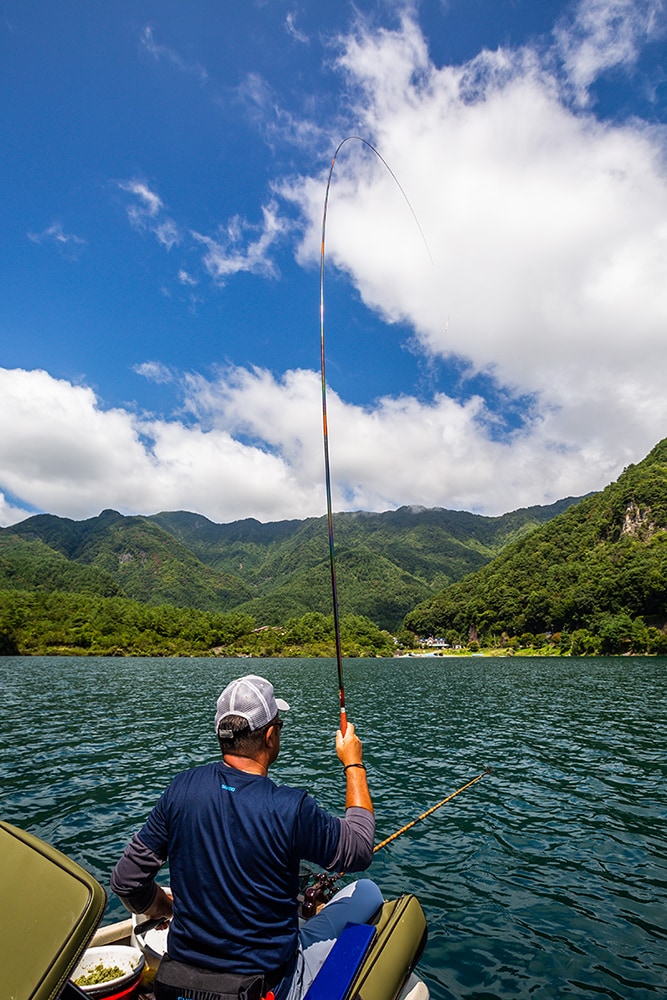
(386, 563)
(141, 559)
(30, 564)
(589, 574)
(597, 571)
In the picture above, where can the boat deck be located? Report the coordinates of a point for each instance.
(121, 933)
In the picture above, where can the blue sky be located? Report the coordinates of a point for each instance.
(162, 184)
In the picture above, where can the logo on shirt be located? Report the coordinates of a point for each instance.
(228, 788)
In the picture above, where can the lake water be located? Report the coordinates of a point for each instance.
(547, 878)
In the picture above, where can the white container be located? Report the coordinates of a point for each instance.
(130, 960)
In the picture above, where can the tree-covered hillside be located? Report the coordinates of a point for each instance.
(146, 562)
(387, 563)
(599, 568)
(590, 574)
(30, 564)
(64, 624)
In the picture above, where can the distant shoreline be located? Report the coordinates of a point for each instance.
(521, 654)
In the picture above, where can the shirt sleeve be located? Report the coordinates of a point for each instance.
(316, 831)
(334, 843)
(133, 877)
(355, 844)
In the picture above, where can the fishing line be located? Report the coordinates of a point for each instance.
(325, 428)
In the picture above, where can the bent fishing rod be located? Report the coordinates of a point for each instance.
(325, 427)
(324, 886)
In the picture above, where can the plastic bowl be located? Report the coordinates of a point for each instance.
(130, 960)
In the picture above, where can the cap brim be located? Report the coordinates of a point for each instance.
(282, 705)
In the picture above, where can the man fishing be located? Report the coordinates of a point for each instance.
(234, 841)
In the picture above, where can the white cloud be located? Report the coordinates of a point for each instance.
(70, 456)
(548, 229)
(55, 235)
(234, 249)
(167, 233)
(10, 513)
(250, 445)
(146, 214)
(171, 56)
(602, 35)
(291, 28)
(186, 278)
(155, 371)
(150, 203)
(239, 246)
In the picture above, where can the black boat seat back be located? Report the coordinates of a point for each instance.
(49, 909)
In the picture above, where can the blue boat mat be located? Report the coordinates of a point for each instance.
(340, 966)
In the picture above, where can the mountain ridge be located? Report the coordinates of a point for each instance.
(387, 562)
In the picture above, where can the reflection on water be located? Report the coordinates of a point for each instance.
(546, 878)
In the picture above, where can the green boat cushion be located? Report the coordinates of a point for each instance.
(399, 942)
(49, 909)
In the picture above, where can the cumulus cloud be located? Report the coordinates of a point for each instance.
(548, 228)
(69, 455)
(250, 445)
(10, 513)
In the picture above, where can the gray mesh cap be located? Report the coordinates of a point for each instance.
(253, 699)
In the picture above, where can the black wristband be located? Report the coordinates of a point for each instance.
(354, 765)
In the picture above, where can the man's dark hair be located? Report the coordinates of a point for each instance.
(234, 736)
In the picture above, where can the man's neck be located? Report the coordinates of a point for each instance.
(248, 764)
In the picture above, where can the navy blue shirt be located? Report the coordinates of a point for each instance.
(234, 842)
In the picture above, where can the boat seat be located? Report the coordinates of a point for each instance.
(49, 909)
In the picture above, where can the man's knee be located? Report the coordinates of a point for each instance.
(364, 899)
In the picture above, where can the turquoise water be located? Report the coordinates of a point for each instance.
(547, 878)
